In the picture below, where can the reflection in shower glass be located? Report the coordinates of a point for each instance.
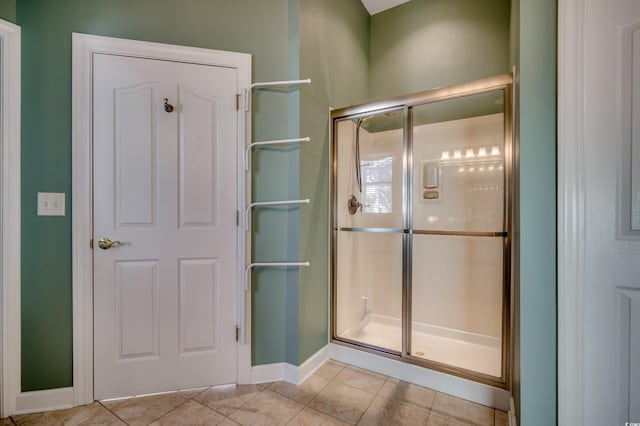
(377, 188)
(369, 270)
(369, 196)
(458, 233)
(457, 301)
(369, 158)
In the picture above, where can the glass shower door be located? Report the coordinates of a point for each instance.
(421, 228)
(459, 233)
(368, 236)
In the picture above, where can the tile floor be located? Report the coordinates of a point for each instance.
(336, 394)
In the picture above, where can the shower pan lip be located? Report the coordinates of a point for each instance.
(502, 82)
(461, 372)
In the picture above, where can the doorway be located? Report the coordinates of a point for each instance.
(9, 217)
(158, 131)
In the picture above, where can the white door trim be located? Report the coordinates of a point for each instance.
(571, 212)
(10, 216)
(84, 46)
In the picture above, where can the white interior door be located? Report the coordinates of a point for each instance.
(604, 229)
(165, 188)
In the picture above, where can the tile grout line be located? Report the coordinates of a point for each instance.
(328, 381)
(117, 416)
(173, 409)
(371, 402)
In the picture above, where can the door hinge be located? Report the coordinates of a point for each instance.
(238, 102)
(91, 244)
(237, 217)
(237, 333)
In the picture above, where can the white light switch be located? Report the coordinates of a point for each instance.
(50, 204)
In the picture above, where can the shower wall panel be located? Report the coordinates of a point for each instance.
(457, 283)
(471, 196)
(369, 270)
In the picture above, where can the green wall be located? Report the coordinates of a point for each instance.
(253, 26)
(425, 44)
(8, 10)
(351, 58)
(538, 318)
(334, 53)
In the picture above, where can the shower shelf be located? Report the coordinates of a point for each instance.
(247, 94)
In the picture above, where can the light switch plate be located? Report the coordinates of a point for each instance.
(50, 204)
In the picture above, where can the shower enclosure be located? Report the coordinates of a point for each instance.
(421, 228)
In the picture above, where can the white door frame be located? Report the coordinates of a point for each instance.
(84, 46)
(571, 212)
(10, 217)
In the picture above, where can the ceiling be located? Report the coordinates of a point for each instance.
(377, 6)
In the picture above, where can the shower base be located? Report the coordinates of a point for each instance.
(470, 351)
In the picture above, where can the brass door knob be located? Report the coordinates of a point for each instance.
(106, 243)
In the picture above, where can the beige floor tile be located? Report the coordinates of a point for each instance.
(501, 418)
(437, 419)
(342, 401)
(228, 422)
(145, 409)
(92, 414)
(361, 379)
(267, 408)
(113, 403)
(191, 413)
(303, 393)
(330, 369)
(6, 422)
(386, 412)
(311, 417)
(190, 393)
(461, 409)
(407, 393)
(227, 398)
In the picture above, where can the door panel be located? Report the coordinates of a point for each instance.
(164, 298)
(199, 304)
(611, 247)
(136, 319)
(198, 136)
(135, 144)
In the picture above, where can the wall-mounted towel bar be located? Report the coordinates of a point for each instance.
(268, 264)
(247, 151)
(246, 245)
(247, 92)
(247, 211)
(280, 83)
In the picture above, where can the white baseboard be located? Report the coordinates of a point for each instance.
(288, 372)
(45, 400)
(452, 385)
(267, 373)
(312, 363)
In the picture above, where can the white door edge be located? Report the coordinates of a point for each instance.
(84, 46)
(571, 210)
(10, 218)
